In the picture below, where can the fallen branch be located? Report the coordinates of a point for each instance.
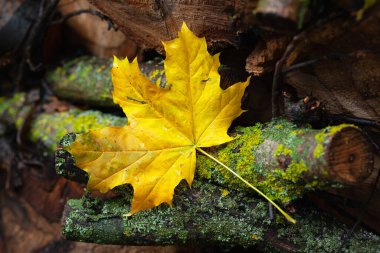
(285, 161)
(207, 215)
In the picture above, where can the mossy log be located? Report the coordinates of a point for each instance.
(280, 159)
(47, 129)
(283, 161)
(10, 110)
(209, 215)
(87, 79)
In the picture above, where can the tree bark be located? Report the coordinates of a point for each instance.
(208, 214)
(87, 79)
(150, 22)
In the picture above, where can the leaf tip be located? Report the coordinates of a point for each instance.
(248, 81)
(184, 27)
(116, 62)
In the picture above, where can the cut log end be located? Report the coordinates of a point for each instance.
(350, 156)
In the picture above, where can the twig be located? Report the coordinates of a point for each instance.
(103, 17)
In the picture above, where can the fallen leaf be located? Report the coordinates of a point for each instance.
(157, 148)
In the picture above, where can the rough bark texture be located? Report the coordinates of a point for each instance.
(207, 214)
(346, 43)
(150, 22)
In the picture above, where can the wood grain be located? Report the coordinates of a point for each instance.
(150, 22)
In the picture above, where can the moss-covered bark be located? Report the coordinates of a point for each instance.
(208, 214)
(87, 79)
(48, 128)
(12, 111)
(285, 162)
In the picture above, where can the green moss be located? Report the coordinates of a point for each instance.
(70, 121)
(318, 151)
(10, 107)
(285, 185)
(323, 136)
(319, 234)
(164, 225)
(269, 157)
(294, 172)
(84, 79)
(203, 214)
(281, 150)
(247, 139)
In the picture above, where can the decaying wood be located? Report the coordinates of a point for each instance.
(354, 202)
(85, 79)
(206, 214)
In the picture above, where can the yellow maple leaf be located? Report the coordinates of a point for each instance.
(157, 148)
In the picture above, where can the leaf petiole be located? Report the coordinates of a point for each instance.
(287, 216)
